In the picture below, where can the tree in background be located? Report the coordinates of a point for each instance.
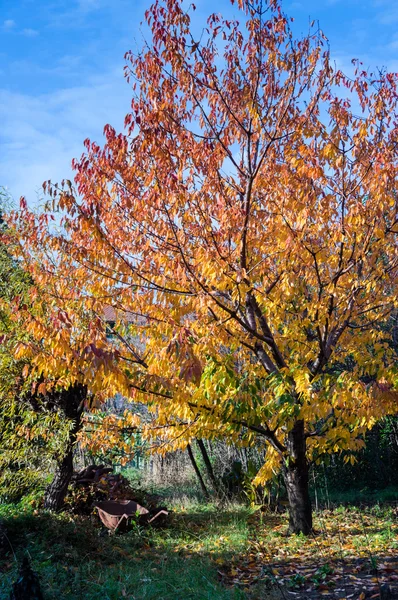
(25, 445)
(39, 422)
(247, 218)
(22, 455)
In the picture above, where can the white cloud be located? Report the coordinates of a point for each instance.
(77, 14)
(388, 16)
(88, 5)
(66, 66)
(9, 24)
(41, 135)
(296, 6)
(30, 32)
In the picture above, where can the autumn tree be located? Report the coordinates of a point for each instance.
(25, 447)
(247, 216)
(20, 462)
(39, 418)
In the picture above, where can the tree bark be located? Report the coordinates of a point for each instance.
(209, 468)
(72, 403)
(198, 473)
(295, 475)
(56, 491)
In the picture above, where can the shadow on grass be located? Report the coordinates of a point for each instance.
(312, 578)
(204, 553)
(75, 561)
(347, 560)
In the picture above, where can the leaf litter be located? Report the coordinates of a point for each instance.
(353, 554)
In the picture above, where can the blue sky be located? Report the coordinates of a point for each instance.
(61, 70)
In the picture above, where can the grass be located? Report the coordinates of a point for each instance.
(341, 532)
(353, 549)
(74, 561)
(360, 496)
(204, 553)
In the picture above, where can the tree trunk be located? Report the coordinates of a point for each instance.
(295, 475)
(209, 468)
(198, 473)
(72, 403)
(56, 491)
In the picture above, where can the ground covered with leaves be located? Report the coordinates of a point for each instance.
(205, 552)
(353, 553)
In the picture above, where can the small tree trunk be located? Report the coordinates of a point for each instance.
(315, 490)
(295, 475)
(198, 473)
(56, 491)
(325, 477)
(209, 468)
(71, 401)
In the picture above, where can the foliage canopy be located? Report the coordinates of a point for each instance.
(245, 225)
